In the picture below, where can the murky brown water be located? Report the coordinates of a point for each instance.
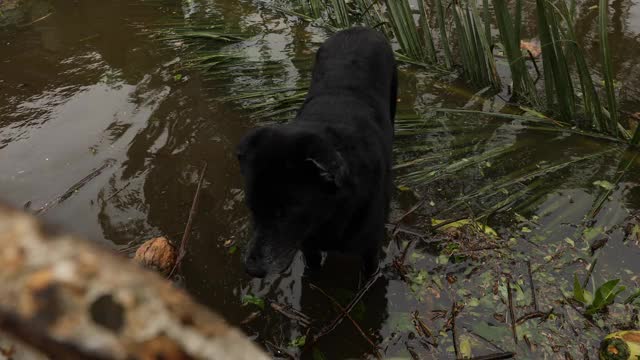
(99, 135)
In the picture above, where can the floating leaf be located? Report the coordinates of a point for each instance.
(461, 223)
(604, 184)
(591, 233)
(298, 342)
(252, 299)
(465, 347)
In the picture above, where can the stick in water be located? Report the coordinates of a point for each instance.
(187, 230)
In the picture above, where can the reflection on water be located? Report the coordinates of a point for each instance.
(88, 86)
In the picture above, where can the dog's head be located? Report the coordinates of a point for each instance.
(293, 179)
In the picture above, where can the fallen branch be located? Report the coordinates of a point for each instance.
(364, 335)
(187, 230)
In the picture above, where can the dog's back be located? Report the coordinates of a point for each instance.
(323, 181)
(357, 62)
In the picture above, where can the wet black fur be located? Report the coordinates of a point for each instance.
(323, 182)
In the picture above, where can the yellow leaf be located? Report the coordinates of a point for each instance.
(465, 347)
(460, 223)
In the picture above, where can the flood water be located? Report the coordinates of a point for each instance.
(102, 133)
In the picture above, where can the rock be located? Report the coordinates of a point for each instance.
(157, 254)
(67, 298)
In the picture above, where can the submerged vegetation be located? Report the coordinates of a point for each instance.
(570, 94)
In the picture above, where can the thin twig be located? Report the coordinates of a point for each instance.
(36, 20)
(329, 328)
(364, 335)
(490, 247)
(417, 206)
(117, 192)
(497, 356)
(413, 353)
(421, 327)
(533, 288)
(403, 256)
(292, 314)
(512, 313)
(254, 315)
(484, 339)
(573, 306)
(398, 262)
(74, 188)
(187, 230)
(533, 315)
(535, 66)
(454, 313)
(410, 231)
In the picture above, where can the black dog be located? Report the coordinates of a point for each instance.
(323, 182)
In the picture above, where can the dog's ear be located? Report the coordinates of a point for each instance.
(332, 169)
(250, 142)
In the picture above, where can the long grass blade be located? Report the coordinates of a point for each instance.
(607, 69)
(444, 40)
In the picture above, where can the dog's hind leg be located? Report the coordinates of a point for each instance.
(370, 254)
